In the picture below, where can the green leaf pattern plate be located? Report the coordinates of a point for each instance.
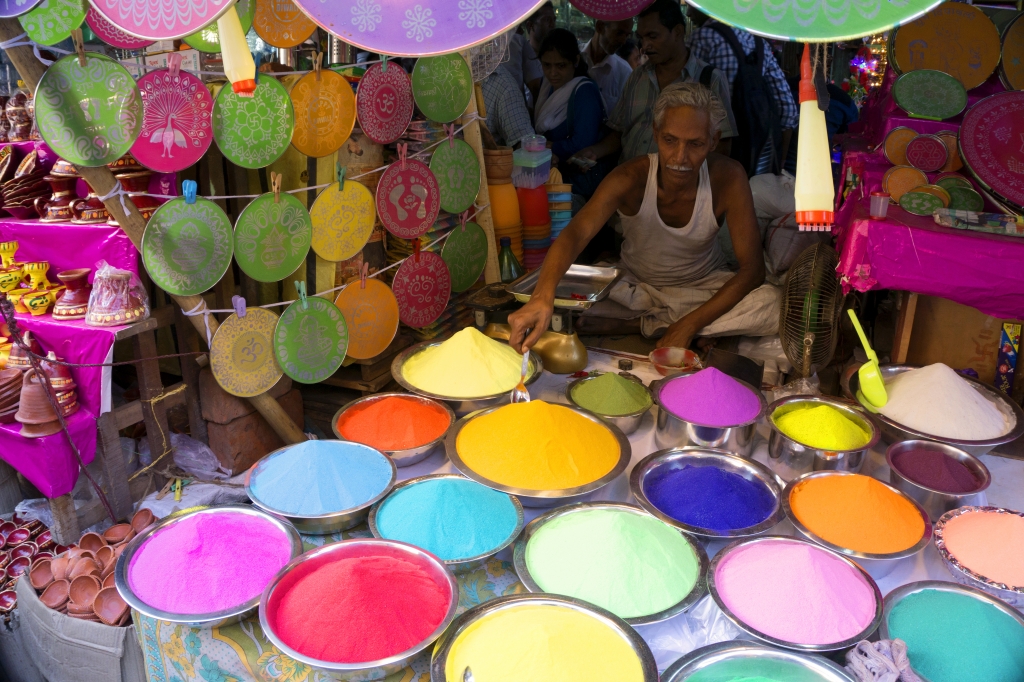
(187, 248)
(929, 94)
(920, 203)
(272, 238)
(458, 175)
(310, 343)
(965, 199)
(253, 132)
(442, 86)
(53, 20)
(465, 254)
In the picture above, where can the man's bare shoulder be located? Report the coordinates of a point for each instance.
(629, 174)
(725, 172)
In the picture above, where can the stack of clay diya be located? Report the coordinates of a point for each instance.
(21, 544)
(18, 358)
(62, 382)
(80, 581)
(10, 394)
(56, 208)
(20, 192)
(134, 178)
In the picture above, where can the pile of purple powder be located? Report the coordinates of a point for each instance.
(709, 497)
(936, 470)
(710, 398)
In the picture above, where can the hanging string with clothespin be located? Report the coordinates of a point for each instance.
(403, 153)
(463, 218)
(275, 186)
(174, 65)
(300, 287)
(76, 38)
(416, 250)
(339, 175)
(383, 63)
(363, 272)
(318, 60)
(238, 303)
(449, 128)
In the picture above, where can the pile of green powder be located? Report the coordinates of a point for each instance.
(757, 669)
(954, 638)
(823, 427)
(612, 395)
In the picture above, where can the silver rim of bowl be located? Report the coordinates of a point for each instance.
(398, 365)
(950, 559)
(406, 396)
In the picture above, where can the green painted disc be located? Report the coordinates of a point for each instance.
(465, 254)
(187, 248)
(951, 181)
(920, 203)
(442, 86)
(207, 39)
(929, 94)
(88, 115)
(253, 132)
(458, 175)
(310, 342)
(965, 199)
(53, 20)
(272, 237)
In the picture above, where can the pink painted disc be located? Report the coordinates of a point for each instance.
(927, 153)
(422, 287)
(409, 200)
(990, 144)
(611, 10)
(111, 34)
(161, 19)
(384, 103)
(176, 127)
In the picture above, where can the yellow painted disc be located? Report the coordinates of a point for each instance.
(281, 23)
(1012, 65)
(342, 221)
(895, 147)
(242, 353)
(899, 180)
(325, 112)
(372, 317)
(954, 38)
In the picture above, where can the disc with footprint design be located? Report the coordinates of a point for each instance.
(458, 173)
(408, 199)
(311, 340)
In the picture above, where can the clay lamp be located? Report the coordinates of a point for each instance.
(18, 536)
(45, 541)
(142, 520)
(59, 567)
(105, 557)
(92, 542)
(43, 555)
(17, 567)
(6, 528)
(5, 558)
(109, 580)
(83, 591)
(56, 594)
(85, 566)
(25, 549)
(119, 533)
(40, 574)
(8, 600)
(109, 606)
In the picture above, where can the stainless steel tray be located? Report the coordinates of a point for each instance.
(581, 287)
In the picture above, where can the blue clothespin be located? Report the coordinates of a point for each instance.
(300, 286)
(339, 175)
(238, 303)
(188, 189)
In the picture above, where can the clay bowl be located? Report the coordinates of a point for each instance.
(28, 549)
(18, 536)
(56, 595)
(43, 555)
(5, 558)
(109, 606)
(85, 566)
(74, 610)
(108, 569)
(35, 526)
(142, 520)
(8, 600)
(122, 532)
(108, 581)
(45, 541)
(59, 567)
(17, 567)
(6, 528)
(40, 574)
(105, 557)
(92, 542)
(83, 590)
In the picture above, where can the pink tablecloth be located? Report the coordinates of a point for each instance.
(48, 462)
(67, 246)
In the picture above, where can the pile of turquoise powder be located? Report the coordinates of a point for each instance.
(452, 518)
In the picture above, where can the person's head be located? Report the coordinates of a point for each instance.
(541, 22)
(560, 58)
(611, 35)
(687, 122)
(630, 52)
(661, 30)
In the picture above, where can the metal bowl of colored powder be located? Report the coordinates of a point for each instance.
(955, 633)
(858, 516)
(708, 493)
(894, 432)
(793, 594)
(207, 567)
(614, 398)
(755, 662)
(939, 477)
(461, 521)
(359, 609)
(544, 454)
(983, 548)
(567, 640)
(615, 556)
(321, 486)
(406, 427)
(817, 433)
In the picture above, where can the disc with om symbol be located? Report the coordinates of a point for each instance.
(342, 221)
(311, 340)
(281, 24)
(372, 317)
(385, 103)
(325, 113)
(242, 353)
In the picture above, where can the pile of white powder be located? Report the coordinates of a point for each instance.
(938, 401)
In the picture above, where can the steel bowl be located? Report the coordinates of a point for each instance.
(627, 423)
(321, 524)
(744, 659)
(457, 565)
(408, 456)
(878, 565)
(937, 502)
(700, 587)
(672, 431)
(904, 591)
(368, 670)
(541, 498)
(1011, 594)
(461, 405)
(442, 649)
(894, 432)
(790, 458)
(773, 641)
(678, 458)
(196, 620)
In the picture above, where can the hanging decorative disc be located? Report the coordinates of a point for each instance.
(990, 138)
(242, 354)
(920, 203)
(109, 33)
(253, 132)
(176, 129)
(385, 103)
(53, 20)
(342, 221)
(422, 287)
(272, 237)
(372, 317)
(611, 10)
(409, 200)
(187, 248)
(954, 38)
(929, 94)
(458, 174)
(965, 199)
(161, 19)
(311, 340)
(927, 152)
(281, 24)
(1011, 66)
(207, 39)
(442, 86)
(325, 113)
(465, 254)
(15, 8)
(91, 115)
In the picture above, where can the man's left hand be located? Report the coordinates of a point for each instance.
(678, 335)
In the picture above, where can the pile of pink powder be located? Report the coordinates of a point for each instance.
(710, 398)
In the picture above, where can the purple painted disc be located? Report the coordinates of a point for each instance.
(109, 33)
(408, 200)
(15, 8)
(611, 10)
(176, 127)
(422, 287)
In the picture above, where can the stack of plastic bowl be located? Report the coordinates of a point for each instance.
(533, 207)
(560, 207)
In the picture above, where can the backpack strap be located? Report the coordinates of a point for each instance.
(705, 75)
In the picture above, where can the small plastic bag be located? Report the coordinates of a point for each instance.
(117, 297)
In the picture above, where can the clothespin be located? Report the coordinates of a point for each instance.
(178, 485)
(383, 63)
(339, 175)
(238, 303)
(256, 60)
(403, 152)
(76, 38)
(188, 190)
(275, 186)
(318, 61)
(463, 218)
(416, 250)
(450, 129)
(363, 272)
(174, 64)
(166, 489)
(300, 287)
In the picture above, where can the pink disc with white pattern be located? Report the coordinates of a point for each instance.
(161, 19)
(927, 153)
(176, 127)
(111, 34)
(611, 10)
(409, 199)
(384, 103)
(422, 287)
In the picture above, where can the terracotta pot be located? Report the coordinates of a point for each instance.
(142, 520)
(59, 567)
(126, 164)
(38, 301)
(14, 296)
(83, 590)
(85, 566)
(92, 542)
(64, 168)
(118, 533)
(74, 302)
(18, 358)
(35, 409)
(10, 277)
(57, 208)
(138, 182)
(40, 574)
(56, 595)
(109, 606)
(89, 211)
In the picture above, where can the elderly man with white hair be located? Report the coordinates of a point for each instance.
(671, 205)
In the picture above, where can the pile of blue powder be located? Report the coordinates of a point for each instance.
(709, 497)
(321, 477)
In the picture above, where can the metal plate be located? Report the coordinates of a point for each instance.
(895, 145)
(272, 236)
(920, 203)
(325, 113)
(408, 199)
(927, 152)
(930, 94)
(955, 38)
(207, 39)
(1011, 66)
(161, 20)
(936, 191)
(989, 144)
(739, 659)
(580, 287)
(947, 181)
(253, 132)
(342, 220)
(242, 353)
(422, 287)
(965, 199)
(310, 340)
(442, 86)
(457, 170)
(950, 138)
(901, 179)
(371, 314)
(465, 254)
(385, 103)
(176, 127)
(52, 21)
(281, 23)
(109, 33)
(187, 248)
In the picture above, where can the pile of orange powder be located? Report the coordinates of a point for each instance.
(394, 423)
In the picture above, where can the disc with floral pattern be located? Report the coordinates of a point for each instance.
(385, 103)
(14, 8)
(161, 19)
(408, 200)
(611, 10)
(325, 113)
(207, 39)
(109, 33)
(253, 132)
(458, 173)
(187, 248)
(422, 287)
(311, 340)
(53, 20)
(272, 237)
(371, 312)
(342, 221)
(242, 353)
(465, 254)
(442, 86)
(281, 24)
(176, 129)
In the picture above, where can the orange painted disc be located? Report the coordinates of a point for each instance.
(281, 23)
(901, 179)
(1011, 69)
(895, 146)
(953, 160)
(325, 113)
(372, 317)
(935, 191)
(954, 38)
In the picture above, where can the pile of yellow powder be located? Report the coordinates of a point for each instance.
(822, 427)
(468, 365)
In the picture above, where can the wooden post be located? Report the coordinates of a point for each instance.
(483, 218)
(904, 326)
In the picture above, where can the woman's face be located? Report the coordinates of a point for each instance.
(557, 69)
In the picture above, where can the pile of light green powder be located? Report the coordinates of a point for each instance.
(611, 395)
(631, 564)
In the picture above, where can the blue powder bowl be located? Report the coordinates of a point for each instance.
(321, 486)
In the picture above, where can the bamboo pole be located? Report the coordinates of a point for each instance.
(483, 218)
(102, 181)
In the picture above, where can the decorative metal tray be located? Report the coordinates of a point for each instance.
(581, 287)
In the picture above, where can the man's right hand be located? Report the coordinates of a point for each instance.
(528, 323)
(588, 155)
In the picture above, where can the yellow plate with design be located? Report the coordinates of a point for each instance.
(936, 191)
(342, 221)
(954, 38)
(325, 112)
(281, 23)
(242, 355)
(372, 317)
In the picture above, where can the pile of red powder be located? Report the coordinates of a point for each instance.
(394, 423)
(359, 609)
(936, 470)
